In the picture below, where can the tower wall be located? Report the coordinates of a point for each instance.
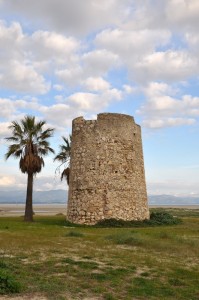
(107, 178)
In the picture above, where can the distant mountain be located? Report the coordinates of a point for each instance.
(61, 196)
(51, 196)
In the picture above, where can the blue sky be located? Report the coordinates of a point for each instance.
(62, 59)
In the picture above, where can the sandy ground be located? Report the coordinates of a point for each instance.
(175, 206)
(7, 210)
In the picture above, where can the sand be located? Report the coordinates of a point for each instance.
(7, 210)
(175, 206)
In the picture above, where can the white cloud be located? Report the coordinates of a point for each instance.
(95, 64)
(6, 180)
(86, 101)
(96, 84)
(22, 77)
(70, 76)
(170, 66)
(132, 43)
(12, 108)
(46, 45)
(7, 108)
(76, 17)
(167, 122)
(79, 104)
(11, 37)
(138, 51)
(177, 15)
(59, 114)
(13, 182)
(113, 94)
(4, 131)
(185, 13)
(27, 58)
(90, 102)
(164, 109)
(99, 62)
(41, 182)
(16, 70)
(173, 186)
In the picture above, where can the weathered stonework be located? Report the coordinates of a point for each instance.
(107, 177)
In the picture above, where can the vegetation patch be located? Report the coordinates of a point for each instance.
(163, 218)
(156, 219)
(8, 283)
(74, 234)
(125, 239)
(144, 287)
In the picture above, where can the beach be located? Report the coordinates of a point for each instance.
(8, 210)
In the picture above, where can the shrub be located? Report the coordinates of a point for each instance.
(156, 219)
(111, 223)
(163, 218)
(8, 283)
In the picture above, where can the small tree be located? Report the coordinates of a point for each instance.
(30, 145)
(64, 158)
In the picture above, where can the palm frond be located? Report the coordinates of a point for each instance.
(64, 158)
(66, 174)
(13, 150)
(12, 139)
(64, 154)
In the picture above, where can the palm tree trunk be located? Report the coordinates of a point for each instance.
(28, 210)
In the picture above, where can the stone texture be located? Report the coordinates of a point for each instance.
(107, 178)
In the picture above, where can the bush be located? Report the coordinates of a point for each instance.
(112, 223)
(163, 218)
(156, 219)
(8, 283)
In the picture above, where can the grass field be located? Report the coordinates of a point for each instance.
(48, 260)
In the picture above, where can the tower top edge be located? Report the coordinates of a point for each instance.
(114, 115)
(103, 116)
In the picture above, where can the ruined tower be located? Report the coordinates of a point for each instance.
(107, 178)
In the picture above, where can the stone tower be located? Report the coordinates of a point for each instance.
(107, 178)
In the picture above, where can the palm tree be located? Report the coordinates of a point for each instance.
(64, 158)
(29, 144)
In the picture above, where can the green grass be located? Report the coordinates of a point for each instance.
(49, 258)
(8, 284)
(74, 234)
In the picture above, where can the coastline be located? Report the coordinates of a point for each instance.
(9, 210)
(175, 206)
